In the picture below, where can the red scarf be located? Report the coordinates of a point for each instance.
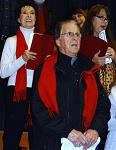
(48, 76)
(21, 77)
(47, 90)
(90, 95)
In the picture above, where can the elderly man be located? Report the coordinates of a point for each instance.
(68, 100)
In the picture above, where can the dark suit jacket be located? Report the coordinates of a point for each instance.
(48, 131)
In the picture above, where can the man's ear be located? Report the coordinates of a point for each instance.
(58, 42)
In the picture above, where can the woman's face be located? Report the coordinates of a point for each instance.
(100, 22)
(27, 17)
(80, 19)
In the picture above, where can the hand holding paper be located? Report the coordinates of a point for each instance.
(29, 55)
(90, 45)
(67, 145)
(42, 45)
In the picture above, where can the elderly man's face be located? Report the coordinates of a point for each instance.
(69, 41)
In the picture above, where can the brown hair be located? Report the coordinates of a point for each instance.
(88, 26)
(79, 11)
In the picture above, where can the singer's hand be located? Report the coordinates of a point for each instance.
(98, 60)
(29, 55)
(111, 53)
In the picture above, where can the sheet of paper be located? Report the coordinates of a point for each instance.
(68, 145)
(102, 35)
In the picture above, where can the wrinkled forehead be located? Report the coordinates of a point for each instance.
(70, 27)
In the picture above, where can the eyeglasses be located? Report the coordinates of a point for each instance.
(102, 18)
(71, 34)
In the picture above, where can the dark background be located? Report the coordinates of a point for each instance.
(59, 9)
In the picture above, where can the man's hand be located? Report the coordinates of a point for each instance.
(85, 139)
(92, 136)
(77, 138)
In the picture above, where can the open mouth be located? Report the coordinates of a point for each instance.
(74, 45)
(28, 20)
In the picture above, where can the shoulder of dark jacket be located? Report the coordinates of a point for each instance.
(87, 63)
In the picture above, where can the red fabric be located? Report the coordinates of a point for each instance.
(47, 89)
(90, 95)
(90, 45)
(47, 82)
(21, 77)
(42, 45)
(42, 20)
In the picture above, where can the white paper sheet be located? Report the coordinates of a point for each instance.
(68, 145)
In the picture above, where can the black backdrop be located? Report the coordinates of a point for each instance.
(59, 9)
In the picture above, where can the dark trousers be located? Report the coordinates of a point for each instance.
(3, 87)
(102, 143)
(16, 115)
(3, 91)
